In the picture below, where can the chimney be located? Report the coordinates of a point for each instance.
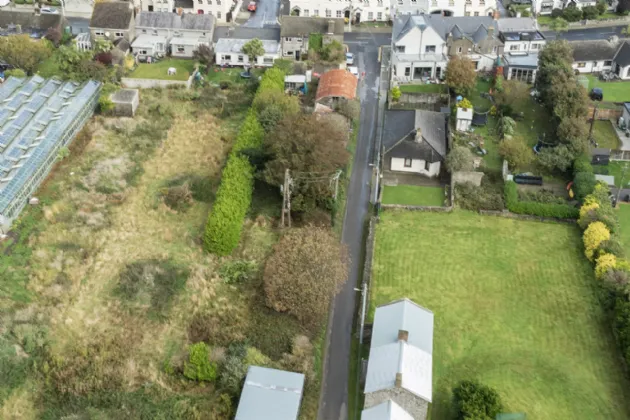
(403, 335)
(491, 32)
(398, 380)
(497, 15)
(331, 26)
(419, 140)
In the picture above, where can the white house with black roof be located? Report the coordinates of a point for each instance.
(621, 61)
(415, 142)
(228, 45)
(594, 56)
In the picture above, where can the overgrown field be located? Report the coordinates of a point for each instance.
(515, 307)
(105, 286)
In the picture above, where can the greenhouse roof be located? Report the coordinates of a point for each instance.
(34, 114)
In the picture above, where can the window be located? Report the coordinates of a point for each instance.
(427, 165)
(514, 47)
(218, 2)
(328, 13)
(535, 46)
(407, 71)
(407, 162)
(200, 1)
(467, 14)
(288, 53)
(459, 49)
(315, 12)
(99, 33)
(476, 64)
(268, 60)
(306, 12)
(287, 39)
(142, 52)
(379, 16)
(339, 13)
(476, 13)
(240, 58)
(119, 34)
(226, 58)
(210, 2)
(482, 2)
(218, 15)
(414, 1)
(400, 2)
(180, 49)
(429, 49)
(581, 65)
(370, 15)
(400, 49)
(608, 63)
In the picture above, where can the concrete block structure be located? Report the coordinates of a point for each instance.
(126, 102)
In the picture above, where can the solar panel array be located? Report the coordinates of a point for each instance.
(29, 133)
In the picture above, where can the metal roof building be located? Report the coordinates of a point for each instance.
(37, 118)
(270, 394)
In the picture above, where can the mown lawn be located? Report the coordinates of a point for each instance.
(413, 195)
(616, 169)
(479, 103)
(423, 88)
(605, 135)
(159, 70)
(515, 307)
(624, 224)
(613, 91)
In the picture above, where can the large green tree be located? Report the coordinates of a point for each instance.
(24, 53)
(461, 75)
(253, 49)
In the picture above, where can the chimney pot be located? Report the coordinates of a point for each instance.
(402, 334)
(398, 380)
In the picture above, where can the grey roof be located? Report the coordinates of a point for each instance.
(270, 394)
(184, 4)
(387, 410)
(111, 15)
(594, 50)
(432, 127)
(623, 55)
(520, 60)
(197, 22)
(391, 356)
(166, 20)
(225, 45)
(272, 34)
(398, 124)
(122, 44)
(472, 27)
(304, 26)
(34, 118)
(517, 24)
(28, 21)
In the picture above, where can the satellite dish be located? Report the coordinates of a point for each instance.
(107, 34)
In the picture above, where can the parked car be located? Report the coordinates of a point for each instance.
(49, 10)
(251, 6)
(349, 59)
(597, 94)
(354, 70)
(4, 3)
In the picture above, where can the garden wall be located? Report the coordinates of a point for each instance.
(426, 101)
(468, 177)
(133, 83)
(605, 114)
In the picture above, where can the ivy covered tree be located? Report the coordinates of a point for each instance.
(461, 75)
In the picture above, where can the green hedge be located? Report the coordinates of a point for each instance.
(560, 211)
(225, 223)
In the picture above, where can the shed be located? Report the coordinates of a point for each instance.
(608, 179)
(270, 394)
(600, 156)
(125, 102)
(336, 84)
(464, 119)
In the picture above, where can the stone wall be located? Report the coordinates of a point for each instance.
(426, 101)
(413, 404)
(129, 82)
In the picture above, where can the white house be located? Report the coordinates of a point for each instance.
(621, 61)
(229, 52)
(220, 9)
(594, 56)
(384, 10)
(420, 150)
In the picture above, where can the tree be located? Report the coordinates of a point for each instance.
(559, 25)
(53, 35)
(305, 143)
(554, 62)
(573, 132)
(602, 7)
(22, 52)
(512, 92)
(198, 367)
(516, 152)
(507, 126)
(460, 158)
(572, 14)
(333, 52)
(474, 401)
(584, 183)
(350, 109)
(556, 13)
(204, 55)
(594, 235)
(305, 271)
(559, 157)
(590, 12)
(569, 98)
(253, 49)
(461, 75)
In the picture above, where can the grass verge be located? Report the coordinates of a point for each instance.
(413, 195)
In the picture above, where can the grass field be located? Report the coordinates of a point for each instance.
(413, 195)
(605, 135)
(159, 70)
(515, 307)
(423, 88)
(481, 104)
(613, 91)
(616, 169)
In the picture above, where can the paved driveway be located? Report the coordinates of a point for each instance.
(266, 14)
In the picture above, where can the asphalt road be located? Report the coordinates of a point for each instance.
(588, 33)
(266, 14)
(334, 399)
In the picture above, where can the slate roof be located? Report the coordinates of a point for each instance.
(387, 410)
(623, 55)
(516, 24)
(271, 34)
(471, 27)
(111, 15)
(270, 394)
(29, 21)
(197, 22)
(594, 50)
(337, 83)
(398, 124)
(411, 359)
(304, 26)
(166, 20)
(230, 45)
(432, 148)
(184, 4)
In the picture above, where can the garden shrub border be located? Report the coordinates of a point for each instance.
(559, 211)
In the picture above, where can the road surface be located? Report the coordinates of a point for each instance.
(334, 399)
(588, 33)
(266, 14)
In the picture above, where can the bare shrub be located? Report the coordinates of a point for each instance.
(178, 197)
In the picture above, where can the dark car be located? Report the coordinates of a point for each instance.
(597, 94)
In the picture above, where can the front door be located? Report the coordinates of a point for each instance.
(297, 54)
(358, 18)
(150, 8)
(200, 12)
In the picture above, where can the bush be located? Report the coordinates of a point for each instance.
(621, 326)
(198, 367)
(582, 164)
(395, 93)
(473, 400)
(540, 196)
(594, 235)
(604, 263)
(556, 13)
(590, 12)
(572, 14)
(460, 158)
(15, 73)
(560, 211)
(583, 184)
(485, 197)
(238, 271)
(612, 246)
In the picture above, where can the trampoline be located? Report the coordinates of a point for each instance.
(480, 119)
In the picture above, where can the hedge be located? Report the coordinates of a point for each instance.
(225, 223)
(559, 211)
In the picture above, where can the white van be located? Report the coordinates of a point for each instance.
(4, 3)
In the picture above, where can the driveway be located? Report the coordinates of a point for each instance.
(266, 14)
(334, 398)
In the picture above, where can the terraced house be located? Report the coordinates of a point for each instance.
(38, 117)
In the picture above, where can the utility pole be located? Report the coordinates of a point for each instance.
(590, 133)
(286, 199)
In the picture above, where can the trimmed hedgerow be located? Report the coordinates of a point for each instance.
(559, 211)
(225, 223)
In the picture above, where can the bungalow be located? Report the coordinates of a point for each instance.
(112, 21)
(415, 142)
(296, 30)
(228, 44)
(593, 56)
(336, 85)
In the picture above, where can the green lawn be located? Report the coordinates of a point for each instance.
(613, 91)
(219, 74)
(624, 224)
(423, 88)
(159, 70)
(515, 307)
(479, 103)
(605, 135)
(616, 169)
(413, 195)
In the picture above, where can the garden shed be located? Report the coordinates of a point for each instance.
(126, 102)
(464, 119)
